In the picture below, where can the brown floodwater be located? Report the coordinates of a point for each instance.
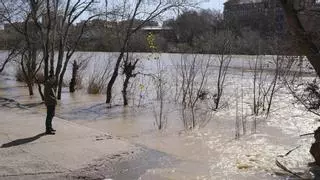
(208, 152)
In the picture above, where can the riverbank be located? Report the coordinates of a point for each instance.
(27, 153)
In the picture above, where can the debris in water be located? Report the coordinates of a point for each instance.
(244, 166)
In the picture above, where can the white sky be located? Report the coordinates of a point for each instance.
(205, 4)
(213, 4)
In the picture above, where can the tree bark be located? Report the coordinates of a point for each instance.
(40, 91)
(30, 88)
(315, 148)
(114, 77)
(124, 90)
(60, 80)
(304, 42)
(307, 48)
(73, 81)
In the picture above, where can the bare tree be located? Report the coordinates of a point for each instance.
(30, 66)
(193, 72)
(99, 77)
(223, 43)
(129, 66)
(78, 68)
(28, 49)
(267, 76)
(160, 113)
(156, 8)
(258, 80)
(12, 54)
(52, 26)
(72, 12)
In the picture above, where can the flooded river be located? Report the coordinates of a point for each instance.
(207, 152)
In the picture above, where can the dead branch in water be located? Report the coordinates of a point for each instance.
(289, 151)
(281, 166)
(308, 134)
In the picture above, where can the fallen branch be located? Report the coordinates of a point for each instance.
(289, 151)
(281, 166)
(308, 134)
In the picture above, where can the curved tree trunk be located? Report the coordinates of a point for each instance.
(40, 91)
(114, 77)
(124, 90)
(304, 42)
(307, 48)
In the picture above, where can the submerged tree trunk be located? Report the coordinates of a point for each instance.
(114, 77)
(128, 70)
(73, 81)
(124, 90)
(27, 74)
(60, 80)
(30, 88)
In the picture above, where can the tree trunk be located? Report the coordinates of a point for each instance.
(273, 86)
(46, 68)
(114, 77)
(124, 90)
(51, 63)
(73, 82)
(30, 88)
(40, 91)
(304, 43)
(60, 81)
(60, 59)
(309, 49)
(315, 148)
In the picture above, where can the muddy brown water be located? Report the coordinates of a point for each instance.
(169, 154)
(210, 152)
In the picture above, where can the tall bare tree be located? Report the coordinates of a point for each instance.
(224, 48)
(29, 62)
(146, 11)
(53, 25)
(193, 72)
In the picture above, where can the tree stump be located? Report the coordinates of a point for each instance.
(315, 148)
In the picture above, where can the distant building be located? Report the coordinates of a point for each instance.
(267, 16)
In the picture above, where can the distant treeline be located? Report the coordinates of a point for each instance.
(190, 32)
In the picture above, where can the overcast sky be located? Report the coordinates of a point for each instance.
(213, 4)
